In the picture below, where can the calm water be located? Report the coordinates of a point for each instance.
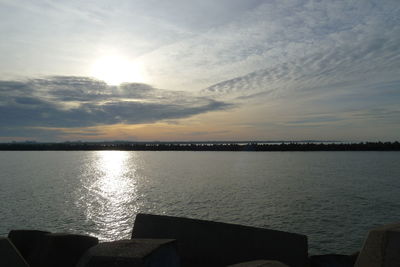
(333, 197)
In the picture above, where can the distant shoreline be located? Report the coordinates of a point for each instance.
(201, 146)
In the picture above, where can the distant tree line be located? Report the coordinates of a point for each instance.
(176, 146)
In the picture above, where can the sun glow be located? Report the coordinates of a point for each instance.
(115, 70)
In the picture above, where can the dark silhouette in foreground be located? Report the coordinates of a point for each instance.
(159, 241)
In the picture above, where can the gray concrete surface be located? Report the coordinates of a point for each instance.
(132, 253)
(61, 250)
(27, 242)
(260, 263)
(207, 243)
(9, 255)
(333, 260)
(381, 248)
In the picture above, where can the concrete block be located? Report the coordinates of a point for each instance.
(381, 248)
(332, 260)
(207, 243)
(9, 255)
(132, 253)
(260, 263)
(61, 250)
(27, 242)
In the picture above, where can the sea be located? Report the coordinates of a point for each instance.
(334, 198)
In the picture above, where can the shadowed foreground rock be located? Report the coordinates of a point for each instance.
(381, 248)
(207, 243)
(45, 249)
(9, 255)
(333, 260)
(64, 250)
(60, 250)
(260, 263)
(198, 243)
(132, 253)
(27, 242)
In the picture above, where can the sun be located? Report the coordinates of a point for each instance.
(115, 70)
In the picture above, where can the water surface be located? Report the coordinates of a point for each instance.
(332, 197)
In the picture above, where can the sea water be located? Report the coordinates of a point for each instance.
(332, 197)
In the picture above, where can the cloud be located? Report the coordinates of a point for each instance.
(324, 35)
(196, 15)
(81, 102)
(314, 120)
(363, 117)
(288, 63)
(361, 63)
(339, 72)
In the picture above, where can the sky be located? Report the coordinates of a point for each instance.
(199, 70)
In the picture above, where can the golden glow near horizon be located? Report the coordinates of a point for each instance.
(115, 69)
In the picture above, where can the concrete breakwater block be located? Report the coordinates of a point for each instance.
(381, 248)
(132, 253)
(207, 243)
(61, 250)
(26, 241)
(9, 255)
(260, 263)
(333, 260)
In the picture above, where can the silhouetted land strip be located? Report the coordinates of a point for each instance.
(185, 146)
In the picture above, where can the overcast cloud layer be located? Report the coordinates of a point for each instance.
(319, 69)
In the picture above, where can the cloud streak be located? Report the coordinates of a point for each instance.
(81, 102)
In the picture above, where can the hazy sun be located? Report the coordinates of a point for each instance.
(115, 70)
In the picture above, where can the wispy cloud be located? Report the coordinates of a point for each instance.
(282, 40)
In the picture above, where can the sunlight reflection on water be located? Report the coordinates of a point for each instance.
(334, 198)
(109, 193)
